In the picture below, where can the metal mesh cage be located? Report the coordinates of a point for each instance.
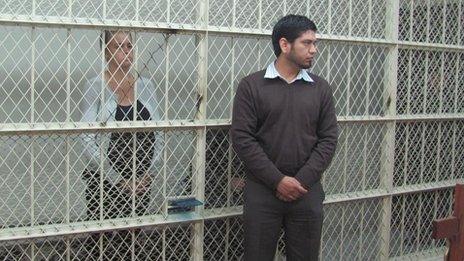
(397, 73)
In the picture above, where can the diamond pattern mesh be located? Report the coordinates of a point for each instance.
(434, 21)
(411, 224)
(60, 182)
(60, 170)
(168, 243)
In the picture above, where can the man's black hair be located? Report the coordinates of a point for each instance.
(290, 27)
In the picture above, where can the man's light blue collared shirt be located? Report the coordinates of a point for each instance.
(272, 73)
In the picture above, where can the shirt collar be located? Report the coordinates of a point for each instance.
(272, 73)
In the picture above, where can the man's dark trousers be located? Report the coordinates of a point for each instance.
(264, 216)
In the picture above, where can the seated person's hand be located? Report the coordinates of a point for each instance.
(237, 183)
(142, 185)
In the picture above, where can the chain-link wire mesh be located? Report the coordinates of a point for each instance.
(430, 82)
(52, 180)
(170, 243)
(84, 179)
(434, 21)
(412, 217)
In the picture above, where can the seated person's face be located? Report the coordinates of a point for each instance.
(119, 50)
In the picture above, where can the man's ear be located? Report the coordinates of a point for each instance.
(284, 45)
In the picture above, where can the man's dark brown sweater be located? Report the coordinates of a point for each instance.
(284, 129)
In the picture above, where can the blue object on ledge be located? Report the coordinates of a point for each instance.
(183, 205)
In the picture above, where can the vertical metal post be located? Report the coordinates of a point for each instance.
(443, 24)
(349, 76)
(70, 2)
(32, 192)
(134, 119)
(460, 18)
(441, 125)
(230, 149)
(229, 195)
(411, 21)
(68, 140)
(419, 222)
(363, 184)
(350, 18)
(68, 248)
(32, 153)
(33, 50)
(442, 82)
(435, 211)
(234, 13)
(427, 37)
(68, 119)
(457, 83)
(260, 14)
(454, 127)
(166, 140)
(369, 21)
(285, 7)
(308, 6)
(200, 154)
(366, 138)
(329, 22)
(426, 82)
(369, 59)
(137, 10)
(34, 7)
(166, 95)
(100, 118)
(104, 9)
(134, 139)
(199, 170)
(402, 199)
(388, 145)
(424, 126)
(232, 75)
(409, 83)
(345, 157)
(168, 11)
(163, 254)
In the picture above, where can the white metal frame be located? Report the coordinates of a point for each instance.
(202, 31)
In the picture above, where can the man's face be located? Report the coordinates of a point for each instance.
(303, 50)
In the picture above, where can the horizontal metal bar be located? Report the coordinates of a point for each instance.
(425, 187)
(433, 254)
(10, 129)
(431, 46)
(191, 217)
(397, 191)
(173, 28)
(226, 212)
(85, 227)
(402, 118)
(94, 23)
(355, 196)
(94, 226)
(389, 43)
(128, 126)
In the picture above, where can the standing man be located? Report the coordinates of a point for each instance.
(284, 129)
